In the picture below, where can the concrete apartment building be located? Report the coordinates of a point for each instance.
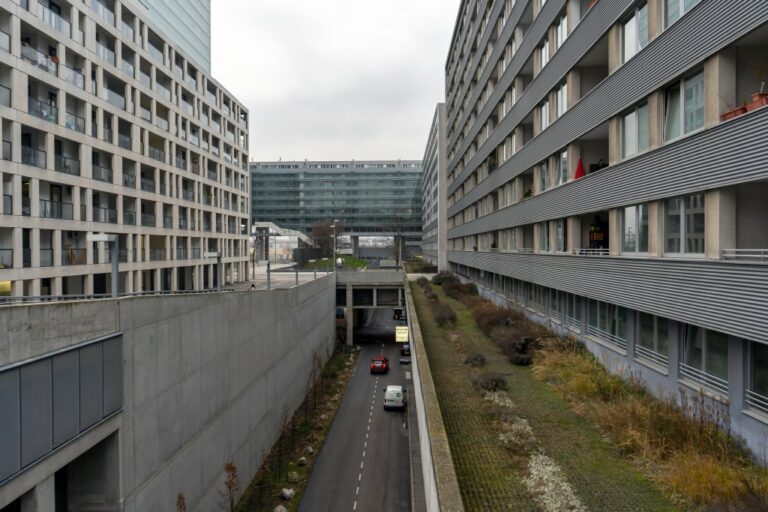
(370, 198)
(187, 23)
(655, 258)
(109, 127)
(433, 201)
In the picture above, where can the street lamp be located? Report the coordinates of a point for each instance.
(334, 240)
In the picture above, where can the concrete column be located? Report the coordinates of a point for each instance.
(42, 497)
(129, 281)
(174, 279)
(57, 286)
(614, 140)
(573, 12)
(573, 227)
(88, 283)
(158, 274)
(76, 203)
(355, 246)
(655, 13)
(655, 229)
(34, 197)
(738, 361)
(119, 207)
(50, 151)
(16, 153)
(17, 195)
(34, 246)
(655, 119)
(719, 221)
(614, 231)
(574, 153)
(137, 280)
(573, 86)
(614, 48)
(719, 85)
(57, 253)
(350, 316)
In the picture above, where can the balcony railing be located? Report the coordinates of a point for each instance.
(105, 215)
(157, 154)
(163, 91)
(74, 77)
(105, 53)
(147, 185)
(6, 258)
(102, 173)
(128, 67)
(706, 379)
(67, 165)
(181, 163)
(189, 195)
(108, 135)
(145, 79)
(129, 180)
(5, 96)
(167, 222)
(145, 114)
(7, 204)
(129, 217)
(73, 256)
(211, 97)
(192, 82)
(104, 11)
(157, 255)
(124, 141)
(161, 123)
(114, 98)
(39, 59)
(55, 210)
(31, 156)
(182, 253)
(746, 255)
(148, 219)
(186, 107)
(46, 257)
(196, 252)
(127, 30)
(754, 400)
(194, 139)
(53, 19)
(43, 110)
(74, 122)
(5, 41)
(182, 223)
(591, 252)
(155, 53)
(212, 175)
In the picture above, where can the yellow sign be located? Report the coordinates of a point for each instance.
(401, 334)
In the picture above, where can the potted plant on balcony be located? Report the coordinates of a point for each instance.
(760, 71)
(732, 111)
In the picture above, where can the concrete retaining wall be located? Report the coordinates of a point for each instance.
(207, 380)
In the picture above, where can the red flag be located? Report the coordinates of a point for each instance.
(579, 170)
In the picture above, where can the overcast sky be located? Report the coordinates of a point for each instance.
(334, 79)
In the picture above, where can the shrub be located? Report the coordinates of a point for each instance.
(443, 314)
(475, 360)
(489, 316)
(423, 282)
(491, 382)
(429, 294)
(458, 290)
(444, 277)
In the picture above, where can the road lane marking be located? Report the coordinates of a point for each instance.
(362, 463)
(354, 505)
(359, 476)
(363, 453)
(357, 490)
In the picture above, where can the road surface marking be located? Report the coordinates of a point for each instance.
(357, 490)
(365, 444)
(407, 375)
(354, 505)
(359, 476)
(362, 463)
(363, 453)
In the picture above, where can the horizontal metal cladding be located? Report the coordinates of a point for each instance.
(726, 297)
(498, 50)
(589, 29)
(473, 30)
(455, 40)
(728, 154)
(684, 45)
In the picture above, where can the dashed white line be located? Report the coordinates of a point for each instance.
(357, 490)
(359, 476)
(362, 463)
(363, 453)
(354, 505)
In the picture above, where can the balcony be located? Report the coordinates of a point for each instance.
(181, 163)
(7, 204)
(129, 180)
(5, 41)
(147, 185)
(104, 215)
(6, 258)
(127, 67)
(73, 257)
(74, 77)
(194, 139)
(167, 222)
(155, 53)
(161, 123)
(148, 219)
(124, 141)
(67, 165)
(105, 53)
(104, 11)
(163, 91)
(129, 217)
(114, 98)
(102, 173)
(157, 255)
(211, 98)
(53, 19)
(145, 114)
(127, 30)
(43, 110)
(5, 96)
(186, 107)
(157, 154)
(145, 79)
(212, 175)
(34, 157)
(39, 59)
(192, 82)
(55, 210)
(74, 122)
(182, 253)
(188, 195)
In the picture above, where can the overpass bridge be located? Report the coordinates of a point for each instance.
(369, 295)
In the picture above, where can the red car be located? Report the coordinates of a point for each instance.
(379, 364)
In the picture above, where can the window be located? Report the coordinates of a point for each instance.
(573, 311)
(757, 390)
(634, 33)
(634, 131)
(684, 107)
(544, 54)
(561, 31)
(543, 176)
(561, 169)
(607, 322)
(684, 225)
(706, 358)
(634, 226)
(561, 99)
(543, 236)
(674, 9)
(544, 115)
(554, 304)
(653, 338)
(561, 236)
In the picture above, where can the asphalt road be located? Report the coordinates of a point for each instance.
(379, 327)
(363, 465)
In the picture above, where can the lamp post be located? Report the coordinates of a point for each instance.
(334, 241)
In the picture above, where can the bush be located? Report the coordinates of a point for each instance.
(429, 294)
(444, 277)
(491, 382)
(518, 349)
(458, 290)
(489, 316)
(475, 360)
(443, 314)
(423, 282)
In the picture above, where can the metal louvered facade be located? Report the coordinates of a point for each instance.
(667, 218)
(51, 400)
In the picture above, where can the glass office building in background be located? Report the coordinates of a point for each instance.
(187, 23)
(369, 198)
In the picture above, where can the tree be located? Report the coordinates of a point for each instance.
(322, 236)
(231, 487)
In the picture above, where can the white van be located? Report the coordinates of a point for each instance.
(394, 397)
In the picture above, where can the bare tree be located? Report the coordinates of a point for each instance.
(231, 488)
(181, 503)
(322, 235)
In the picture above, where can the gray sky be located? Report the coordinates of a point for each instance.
(334, 79)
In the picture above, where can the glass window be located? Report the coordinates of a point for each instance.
(634, 131)
(561, 236)
(684, 107)
(544, 113)
(758, 374)
(592, 313)
(544, 236)
(543, 176)
(562, 100)
(635, 229)
(653, 338)
(544, 53)
(561, 31)
(674, 9)
(562, 167)
(554, 303)
(684, 224)
(635, 33)
(706, 357)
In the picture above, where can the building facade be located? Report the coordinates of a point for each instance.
(187, 24)
(600, 178)
(109, 128)
(369, 198)
(433, 201)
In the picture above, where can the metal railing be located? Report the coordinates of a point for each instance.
(74, 122)
(43, 110)
(147, 185)
(53, 19)
(74, 77)
(6, 258)
(101, 173)
(157, 154)
(651, 355)
(756, 400)
(66, 165)
(706, 379)
(56, 209)
(747, 255)
(607, 337)
(39, 59)
(104, 215)
(7, 204)
(591, 252)
(73, 257)
(129, 180)
(124, 141)
(5, 96)
(148, 219)
(129, 217)
(31, 156)
(102, 10)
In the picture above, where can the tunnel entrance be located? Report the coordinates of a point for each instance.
(375, 325)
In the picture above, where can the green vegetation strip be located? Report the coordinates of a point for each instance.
(350, 262)
(490, 475)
